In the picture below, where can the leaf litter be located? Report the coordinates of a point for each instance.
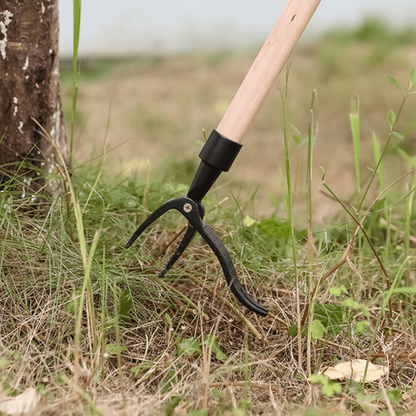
(356, 370)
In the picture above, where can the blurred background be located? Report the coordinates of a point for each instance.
(156, 75)
(168, 27)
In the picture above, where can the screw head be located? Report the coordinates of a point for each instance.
(187, 207)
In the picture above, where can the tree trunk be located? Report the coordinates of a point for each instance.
(29, 91)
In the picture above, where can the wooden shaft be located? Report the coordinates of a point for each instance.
(266, 68)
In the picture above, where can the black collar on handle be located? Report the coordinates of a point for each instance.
(217, 156)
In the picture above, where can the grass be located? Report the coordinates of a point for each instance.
(152, 348)
(92, 328)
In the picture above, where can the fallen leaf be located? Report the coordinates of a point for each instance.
(355, 370)
(22, 404)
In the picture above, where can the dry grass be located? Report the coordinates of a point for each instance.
(161, 104)
(37, 337)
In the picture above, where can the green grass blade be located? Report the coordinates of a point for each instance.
(379, 162)
(355, 130)
(407, 229)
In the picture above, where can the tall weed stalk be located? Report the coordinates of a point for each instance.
(355, 130)
(392, 119)
(311, 141)
(75, 71)
(87, 256)
(289, 199)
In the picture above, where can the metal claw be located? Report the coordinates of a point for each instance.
(167, 206)
(194, 213)
(187, 238)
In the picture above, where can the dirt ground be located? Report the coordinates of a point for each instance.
(156, 109)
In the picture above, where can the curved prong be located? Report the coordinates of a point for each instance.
(229, 271)
(189, 235)
(171, 204)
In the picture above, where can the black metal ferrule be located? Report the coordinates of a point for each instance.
(217, 155)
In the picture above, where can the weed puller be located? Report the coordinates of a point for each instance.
(224, 143)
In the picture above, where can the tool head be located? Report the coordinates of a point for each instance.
(194, 212)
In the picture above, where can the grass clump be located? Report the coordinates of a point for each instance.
(95, 331)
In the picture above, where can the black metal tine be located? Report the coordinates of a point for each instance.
(230, 274)
(171, 204)
(189, 235)
(190, 232)
(217, 246)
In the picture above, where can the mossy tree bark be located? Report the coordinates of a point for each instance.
(29, 91)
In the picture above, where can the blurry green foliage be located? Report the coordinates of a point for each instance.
(374, 30)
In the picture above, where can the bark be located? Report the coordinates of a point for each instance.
(29, 90)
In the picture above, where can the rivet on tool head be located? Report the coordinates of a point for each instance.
(187, 207)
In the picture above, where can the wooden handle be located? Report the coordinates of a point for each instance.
(266, 68)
